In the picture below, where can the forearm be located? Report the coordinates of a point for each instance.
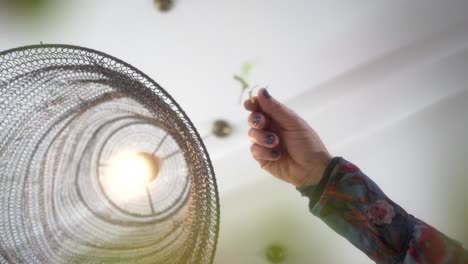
(355, 207)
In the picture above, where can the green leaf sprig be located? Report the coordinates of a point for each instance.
(243, 80)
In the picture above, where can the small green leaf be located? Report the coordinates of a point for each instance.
(242, 78)
(244, 83)
(246, 69)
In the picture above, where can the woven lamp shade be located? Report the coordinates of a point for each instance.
(65, 113)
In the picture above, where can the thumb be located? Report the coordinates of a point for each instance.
(281, 114)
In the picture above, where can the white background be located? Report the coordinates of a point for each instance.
(385, 83)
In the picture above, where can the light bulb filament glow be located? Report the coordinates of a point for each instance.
(133, 173)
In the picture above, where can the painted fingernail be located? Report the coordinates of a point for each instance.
(270, 139)
(274, 153)
(266, 94)
(256, 120)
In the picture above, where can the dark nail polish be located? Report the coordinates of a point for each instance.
(274, 153)
(270, 139)
(266, 94)
(256, 120)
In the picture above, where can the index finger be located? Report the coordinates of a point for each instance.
(250, 106)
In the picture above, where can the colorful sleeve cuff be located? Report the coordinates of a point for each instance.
(315, 191)
(354, 206)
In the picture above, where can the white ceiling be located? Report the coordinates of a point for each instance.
(383, 82)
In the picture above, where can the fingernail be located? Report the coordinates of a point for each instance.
(274, 153)
(270, 139)
(266, 94)
(256, 120)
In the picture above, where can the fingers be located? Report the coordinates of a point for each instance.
(263, 138)
(285, 117)
(251, 106)
(258, 120)
(262, 153)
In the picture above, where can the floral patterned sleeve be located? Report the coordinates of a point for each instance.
(354, 206)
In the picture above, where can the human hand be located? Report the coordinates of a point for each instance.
(284, 144)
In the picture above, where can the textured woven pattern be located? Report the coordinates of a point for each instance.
(65, 111)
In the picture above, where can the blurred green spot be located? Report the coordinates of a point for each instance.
(243, 82)
(163, 5)
(246, 69)
(29, 7)
(276, 253)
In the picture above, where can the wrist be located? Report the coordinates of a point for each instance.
(315, 191)
(316, 173)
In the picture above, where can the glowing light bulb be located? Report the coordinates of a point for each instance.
(133, 173)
